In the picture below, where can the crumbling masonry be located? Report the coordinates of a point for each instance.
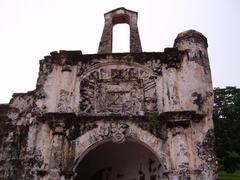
(114, 116)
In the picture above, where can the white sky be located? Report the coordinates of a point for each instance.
(31, 29)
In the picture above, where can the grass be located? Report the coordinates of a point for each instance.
(225, 176)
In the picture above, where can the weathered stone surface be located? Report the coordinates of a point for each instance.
(160, 102)
(117, 16)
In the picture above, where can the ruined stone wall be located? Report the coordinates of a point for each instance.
(161, 101)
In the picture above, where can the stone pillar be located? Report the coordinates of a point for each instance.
(180, 152)
(177, 124)
(105, 45)
(57, 154)
(135, 43)
(170, 87)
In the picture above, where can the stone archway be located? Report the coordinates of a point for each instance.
(123, 140)
(125, 161)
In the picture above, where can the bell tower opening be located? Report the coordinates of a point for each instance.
(121, 38)
(120, 16)
(125, 161)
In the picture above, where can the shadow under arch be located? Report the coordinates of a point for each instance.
(129, 160)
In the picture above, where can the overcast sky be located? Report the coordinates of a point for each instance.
(31, 29)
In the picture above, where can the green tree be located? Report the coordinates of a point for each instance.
(226, 118)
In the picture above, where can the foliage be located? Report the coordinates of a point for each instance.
(223, 175)
(226, 118)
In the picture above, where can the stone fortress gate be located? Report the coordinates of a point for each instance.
(114, 116)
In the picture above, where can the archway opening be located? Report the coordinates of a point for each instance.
(121, 38)
(125, 161)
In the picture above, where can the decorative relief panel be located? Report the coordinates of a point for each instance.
(64, 104)
(118, 89)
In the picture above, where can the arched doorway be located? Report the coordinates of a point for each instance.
(126, 161)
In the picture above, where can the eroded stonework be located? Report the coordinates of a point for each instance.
(156, 104)
(118, 89)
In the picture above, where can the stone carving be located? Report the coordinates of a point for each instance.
(83, 66)
(117, 132)
(64, 101)
(124, 91)
(150, 101)
(87, 95)
(155, 65)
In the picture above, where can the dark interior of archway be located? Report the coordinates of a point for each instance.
(126, 161)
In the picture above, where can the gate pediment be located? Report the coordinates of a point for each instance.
(118, 89)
